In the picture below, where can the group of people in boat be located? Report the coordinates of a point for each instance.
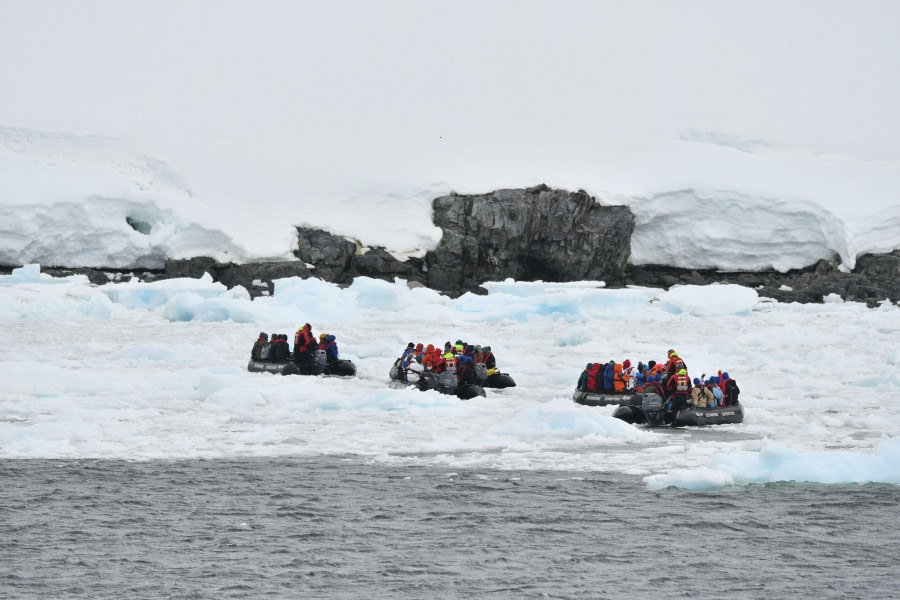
(459, 358)
(275, 348)
(669, 379)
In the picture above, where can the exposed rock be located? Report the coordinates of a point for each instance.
(192, 267)
(876, 278)
(528, 234)
(244, 275)
(378, 263)
(330, 254)
(231, 275)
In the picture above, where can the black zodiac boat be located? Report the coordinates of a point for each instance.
(445, 383)
(603, 398)
(648, 409)
(497, 380)
(320, 366)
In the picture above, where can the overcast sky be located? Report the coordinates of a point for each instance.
(292, 94)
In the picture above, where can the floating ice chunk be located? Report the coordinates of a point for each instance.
(564, 419)
(777, 463)
(709, 300)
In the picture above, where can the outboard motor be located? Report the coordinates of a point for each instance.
(321, 360)
(394, 373)
(447, 383)
(480, 373)
(653, 410)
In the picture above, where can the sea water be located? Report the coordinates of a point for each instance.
(342, 527)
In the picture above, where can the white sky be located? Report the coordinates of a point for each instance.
(268, 98)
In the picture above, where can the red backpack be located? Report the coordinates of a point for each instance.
(593, 378)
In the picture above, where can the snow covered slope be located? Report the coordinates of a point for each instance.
(742, 136)
(67, 200)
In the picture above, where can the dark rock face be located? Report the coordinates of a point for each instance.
(330, 254)
(381, 264)
(528, 234)
(875, 278)
(231, 275)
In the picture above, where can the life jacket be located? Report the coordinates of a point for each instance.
(489, 361)
(682, 388)
(449, 360)
(593, 380)
(301, 340)
(620, 379)
(330, 348)
(656, 387)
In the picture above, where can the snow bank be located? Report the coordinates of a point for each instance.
(697, 205)
(709, 300)
(29, 294)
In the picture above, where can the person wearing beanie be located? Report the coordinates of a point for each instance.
(701, 396)
(713, 385)
(731, 390)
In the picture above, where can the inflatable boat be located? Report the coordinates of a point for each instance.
(318, 366)
(445, 383)
(602, 398)
(649, 410)
(340, 368)
(278, 368)
(497, 380)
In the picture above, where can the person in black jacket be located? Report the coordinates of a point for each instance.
(732, 391)
(280, 350)
(256, 352)
(465, 370)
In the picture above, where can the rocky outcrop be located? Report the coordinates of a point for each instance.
(257, 278)
(528, 234)
(875, 278)
(330, 254)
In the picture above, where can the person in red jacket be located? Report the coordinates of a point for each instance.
(679, 388)
(304, 345)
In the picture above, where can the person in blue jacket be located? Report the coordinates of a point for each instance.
(608, 374)
(331, 349)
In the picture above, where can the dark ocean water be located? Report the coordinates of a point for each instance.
(338, 528)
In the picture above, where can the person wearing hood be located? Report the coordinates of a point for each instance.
(716, 391)
(437, 361)
(654, 386)
(629, 371)
(582, 379)
(609, 374)
(465, 370)
(331, 349)
(256, 352)
(428, 357)
(487, 357)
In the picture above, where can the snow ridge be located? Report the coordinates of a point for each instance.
(730, 230)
